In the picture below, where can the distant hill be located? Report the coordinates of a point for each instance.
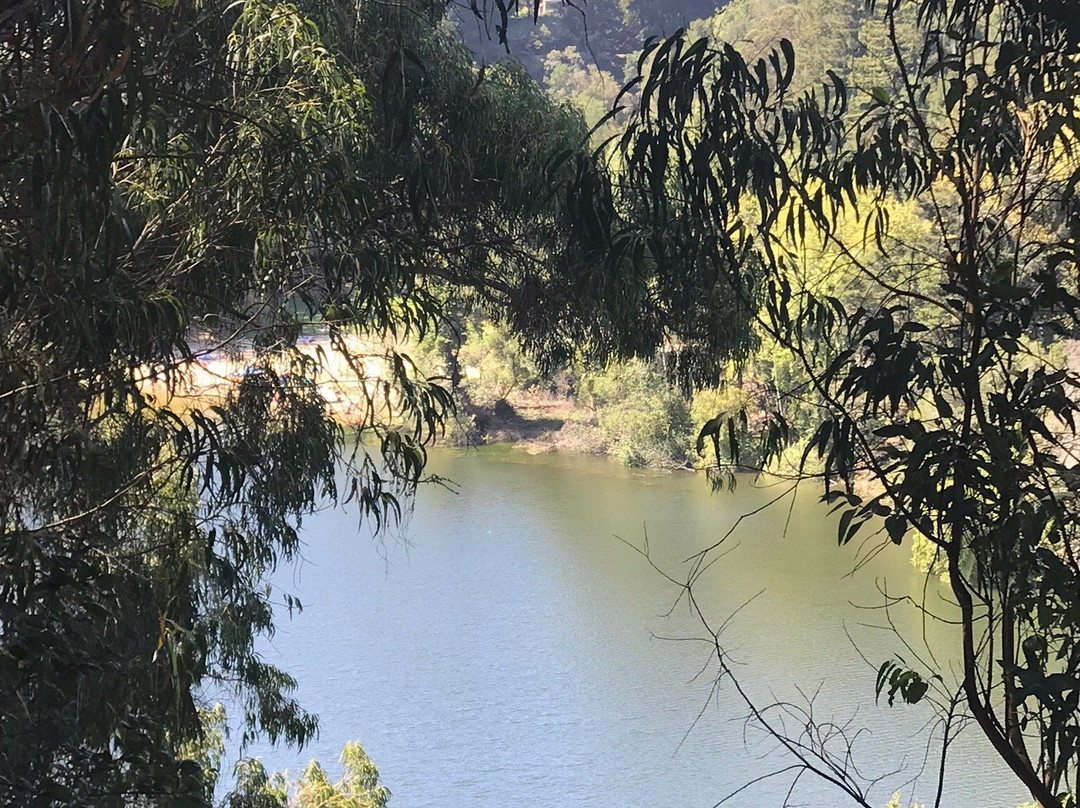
(604, 31)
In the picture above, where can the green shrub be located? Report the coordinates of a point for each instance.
(641, 419)
(493, 364)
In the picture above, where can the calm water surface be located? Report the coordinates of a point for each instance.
(511, 649)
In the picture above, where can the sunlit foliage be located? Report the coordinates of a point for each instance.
(925, 370)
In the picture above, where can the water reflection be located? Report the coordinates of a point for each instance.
(515, 651)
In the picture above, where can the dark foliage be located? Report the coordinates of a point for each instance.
(176, 177)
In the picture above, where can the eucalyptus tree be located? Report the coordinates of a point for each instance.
(358, 788)
(933, 385)
(228, 171)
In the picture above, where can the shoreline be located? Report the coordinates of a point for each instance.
(533, 421)
(539, 423)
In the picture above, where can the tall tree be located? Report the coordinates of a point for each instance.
(939, 392)
(183, 175)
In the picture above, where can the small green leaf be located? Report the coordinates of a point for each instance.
(880, 95)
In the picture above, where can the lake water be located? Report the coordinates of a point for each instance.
(511, 649)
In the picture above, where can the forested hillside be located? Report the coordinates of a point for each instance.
(604, 32)
(845, 39)
(845, 36)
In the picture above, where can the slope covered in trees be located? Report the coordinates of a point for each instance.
(605, 32)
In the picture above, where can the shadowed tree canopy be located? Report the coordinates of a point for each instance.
(183, 177)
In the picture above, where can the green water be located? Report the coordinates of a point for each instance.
(512, 648)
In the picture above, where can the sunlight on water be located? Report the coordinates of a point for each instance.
(513, 649)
